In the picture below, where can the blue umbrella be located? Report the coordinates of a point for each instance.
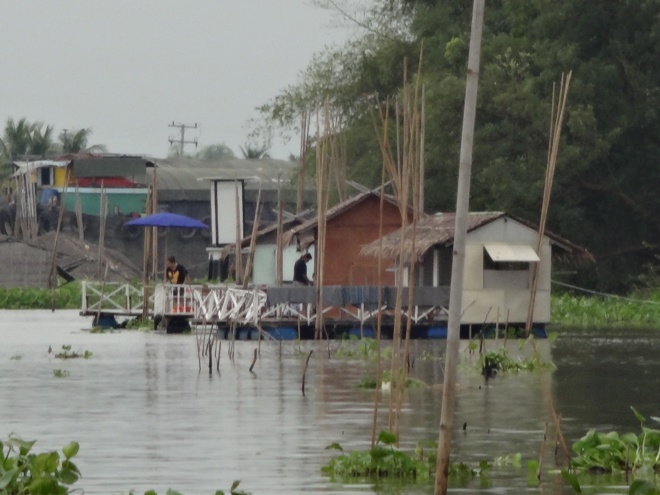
(171, 220)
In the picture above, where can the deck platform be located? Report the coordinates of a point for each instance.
(228, 306)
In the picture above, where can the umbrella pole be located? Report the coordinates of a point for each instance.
(145, 263)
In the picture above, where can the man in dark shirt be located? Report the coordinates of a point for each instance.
(300, 270)
(175, 273)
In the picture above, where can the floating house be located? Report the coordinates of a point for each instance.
(500, 254)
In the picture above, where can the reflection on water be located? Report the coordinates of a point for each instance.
(145, 417)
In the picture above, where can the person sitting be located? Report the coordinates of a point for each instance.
(300, 271)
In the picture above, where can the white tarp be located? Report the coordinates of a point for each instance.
(502, 252)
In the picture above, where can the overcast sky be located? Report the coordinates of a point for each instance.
(128, 68)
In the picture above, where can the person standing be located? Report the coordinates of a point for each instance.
(175, 273)
(300, 271)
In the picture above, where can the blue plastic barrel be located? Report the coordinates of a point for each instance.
(437, 333)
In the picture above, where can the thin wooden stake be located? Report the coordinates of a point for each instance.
(254, 360)
(305, 371)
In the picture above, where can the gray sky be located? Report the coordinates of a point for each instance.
(128, 68)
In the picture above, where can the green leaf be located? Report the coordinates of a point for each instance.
(387, 438)
(639, 417)
(642, 487)
(7, 477)
(68, 477)
(334, 446)
(172, 492)
(71, 450)
(572, 480)
(24, 447)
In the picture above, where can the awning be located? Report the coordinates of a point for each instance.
(502, 252)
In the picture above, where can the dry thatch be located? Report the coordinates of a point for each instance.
(438, 230)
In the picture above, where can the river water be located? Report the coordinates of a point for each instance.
(146, 417)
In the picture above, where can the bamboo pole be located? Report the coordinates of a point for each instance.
(253, 239)
(154, 230)
(103, 213)
(238, 262)
(52, 279)
(322, 148)
(456, 290)
(379, 316)
(547, 190)
(79, 217)
(304, 132)
(279, 255)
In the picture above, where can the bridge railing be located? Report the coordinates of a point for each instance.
(112, 297)
(233, 304)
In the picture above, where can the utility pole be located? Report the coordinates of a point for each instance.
(182, 136)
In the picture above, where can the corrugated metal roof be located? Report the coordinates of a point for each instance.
(186, 178)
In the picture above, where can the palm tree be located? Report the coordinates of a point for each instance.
(41, 143)
(75, 141)
(17, 139)
(253, 151)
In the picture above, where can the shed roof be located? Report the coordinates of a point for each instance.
(438, 230)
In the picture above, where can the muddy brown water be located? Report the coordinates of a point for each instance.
(147, 418)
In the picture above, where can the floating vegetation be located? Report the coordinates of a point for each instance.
(638, 454)
(67, 296)
(493, 362)
(590, 311)
(388, 383)
(366, 348)
(384, 460)
(607, 452)
(138, 324)
(232, 491)
(60, 373)
(26, 472)
(513, 460)
(17, 357)
(67, 353)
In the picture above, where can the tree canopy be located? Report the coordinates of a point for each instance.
(604, 194)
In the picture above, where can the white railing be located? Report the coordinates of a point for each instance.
(232, 304)
(112, 297)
